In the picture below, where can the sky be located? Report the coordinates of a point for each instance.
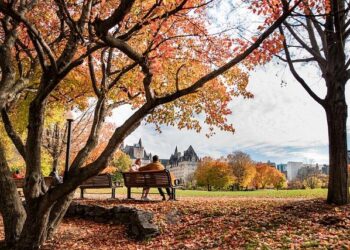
(281, 123)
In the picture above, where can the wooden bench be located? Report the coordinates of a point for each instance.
(99, 181)
(20, 182)
(149, 179)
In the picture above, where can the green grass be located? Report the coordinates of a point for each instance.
(267, 193)
(302, 193)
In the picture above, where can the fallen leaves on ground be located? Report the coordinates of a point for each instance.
(209, 223)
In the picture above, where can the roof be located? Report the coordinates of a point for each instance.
(189, 155)
(129, 150)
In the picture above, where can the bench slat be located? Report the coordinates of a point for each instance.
(20, 182)
(98, 181)
(147, 179)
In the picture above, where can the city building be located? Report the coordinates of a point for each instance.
(137, 151)
(325, 169)
(292, 169)
(281, 167)
(270, 163)
(183, 166)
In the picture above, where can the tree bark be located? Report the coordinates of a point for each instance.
(11, 207)
(34, 231)
(57, 213)
(338, 188)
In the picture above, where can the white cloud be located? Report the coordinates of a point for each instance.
(280, 123)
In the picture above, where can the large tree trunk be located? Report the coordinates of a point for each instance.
(34, 230)
(338, 188)
(11, 207)
(57, 214)
(336, 77)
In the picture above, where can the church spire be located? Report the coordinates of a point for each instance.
(140, 143)
(176, 150)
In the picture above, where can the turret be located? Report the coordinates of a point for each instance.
(140, 143)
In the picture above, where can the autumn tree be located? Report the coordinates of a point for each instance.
(278, 179)
(242, 168)
(212, 173)
(317, 35)
(202, 174)
(156, 56)
(267, 176)
(262, 177)
(121, 162)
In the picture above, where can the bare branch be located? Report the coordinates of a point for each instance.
(301, 60)
(99, 115)
(318, 56)
(296, 75)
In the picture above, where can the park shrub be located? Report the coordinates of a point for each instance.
(312, 182)
(295, 184)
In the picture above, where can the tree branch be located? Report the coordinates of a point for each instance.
(318, 57)
(199, 83)
(17, 141)
(79, 174)
(103, 26)
(296, 75)
(301, 60)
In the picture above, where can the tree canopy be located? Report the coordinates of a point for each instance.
(157, 56)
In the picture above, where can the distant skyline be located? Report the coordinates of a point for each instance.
(281, 123)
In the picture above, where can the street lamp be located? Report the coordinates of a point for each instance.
(70, 119)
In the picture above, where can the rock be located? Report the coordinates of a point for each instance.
(100, 211)
(139, 222)
(141, 226)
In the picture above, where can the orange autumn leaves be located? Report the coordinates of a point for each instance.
(217, 223)
(270, 10)
(179, 49)
(213, 174)
(221, 174)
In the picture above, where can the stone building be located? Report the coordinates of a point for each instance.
(137, 151)
(183, 166)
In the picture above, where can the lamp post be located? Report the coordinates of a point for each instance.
(70, 119)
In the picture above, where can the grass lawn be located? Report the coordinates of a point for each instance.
(302, 193)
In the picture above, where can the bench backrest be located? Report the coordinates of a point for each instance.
(20, 182)
(147, 179)
(102, 180)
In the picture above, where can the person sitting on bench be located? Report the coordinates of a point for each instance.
(135, 168)
(155, 165)
(17, 175)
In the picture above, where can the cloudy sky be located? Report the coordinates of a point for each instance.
(281, 123)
